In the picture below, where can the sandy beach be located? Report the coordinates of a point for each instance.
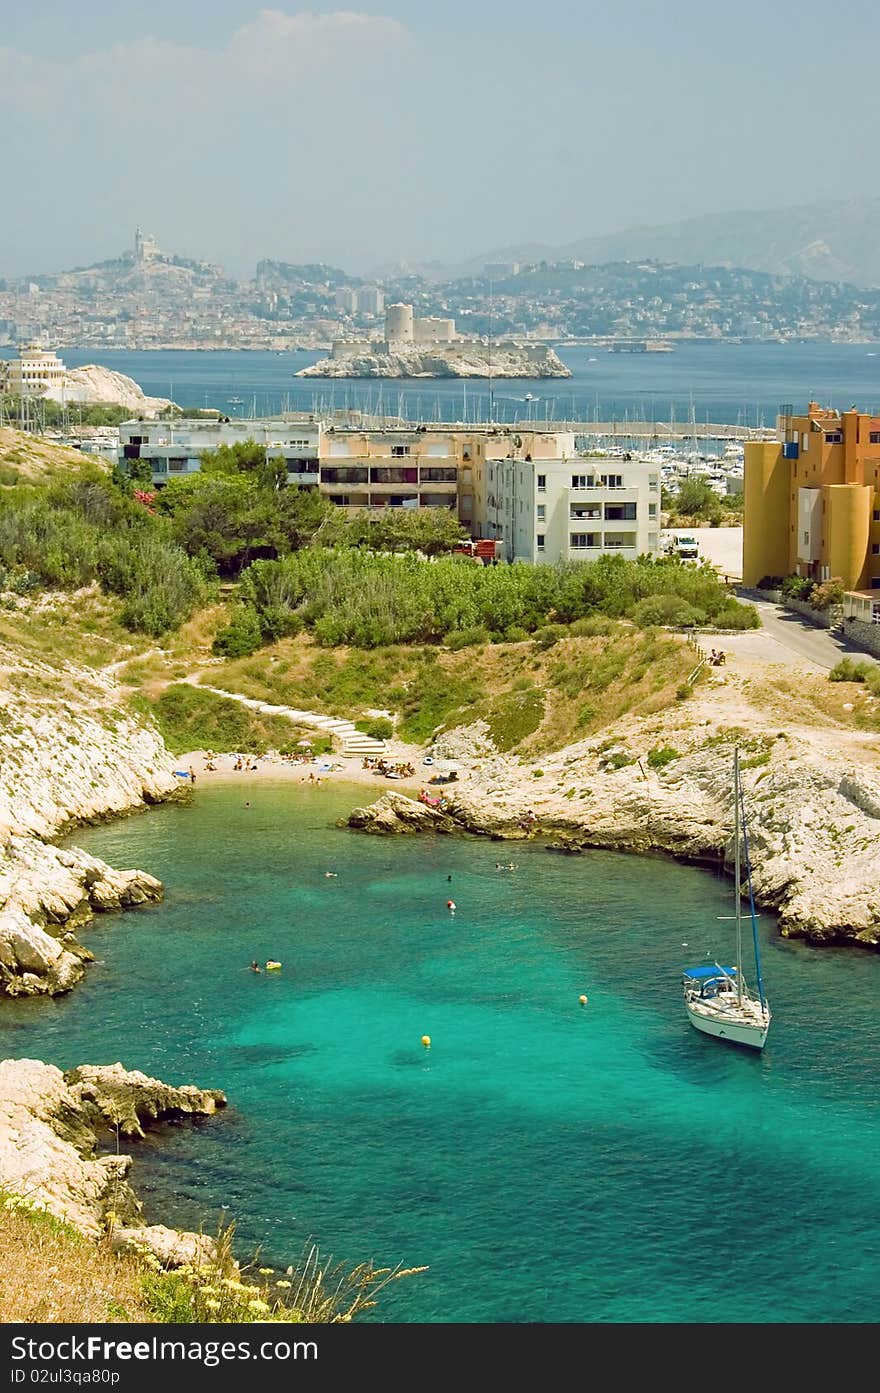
(321, 769)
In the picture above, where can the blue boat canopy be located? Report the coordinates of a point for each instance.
(700, 974)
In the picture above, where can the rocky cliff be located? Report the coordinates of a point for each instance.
(813, 815)
(69, 752)
(52, 1126)
(460, 360)
(93, 384)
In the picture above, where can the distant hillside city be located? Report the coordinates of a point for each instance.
(148, 298)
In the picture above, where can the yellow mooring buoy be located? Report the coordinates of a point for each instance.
(426, 1041)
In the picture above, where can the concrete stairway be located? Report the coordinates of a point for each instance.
(353, 741)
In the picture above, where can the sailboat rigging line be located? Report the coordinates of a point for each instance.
(751, 898)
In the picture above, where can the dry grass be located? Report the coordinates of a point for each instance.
(51, 1273)
(56, 627)
(585, 682)
(812, 699)
(29, 459)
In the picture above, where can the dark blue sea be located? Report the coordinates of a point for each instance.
(548, 1162)
(740, 384)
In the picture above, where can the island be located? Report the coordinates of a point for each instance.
(430, 347)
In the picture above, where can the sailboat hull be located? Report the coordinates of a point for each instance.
(727, 1025)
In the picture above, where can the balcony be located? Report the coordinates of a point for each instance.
(443, 490)
(435, 475)
(395, 475)
(352, 474)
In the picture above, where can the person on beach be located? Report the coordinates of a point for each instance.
(192, 775)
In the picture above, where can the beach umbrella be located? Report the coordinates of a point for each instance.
(307, 744)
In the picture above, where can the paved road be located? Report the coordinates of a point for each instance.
(800, 638)
(722, 546)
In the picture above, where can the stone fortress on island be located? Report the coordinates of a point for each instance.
(430, 347)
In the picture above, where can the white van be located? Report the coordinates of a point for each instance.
(684, 545)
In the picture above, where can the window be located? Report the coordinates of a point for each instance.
(583, 481)
(581, 511)
(620, 512)
(612, 481)
(652, 510)
(399, 450)
(542, 483)
(540, 540)
(579, 540)
(542, 512)
(874, 437)
(833, 437)
(177, 466)
(875, 549)
(875, 583)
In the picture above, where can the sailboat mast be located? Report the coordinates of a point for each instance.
(737, 888)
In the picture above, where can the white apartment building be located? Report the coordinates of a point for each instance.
(174, 448)
(527, 488)
(34, 372)
(547, 503)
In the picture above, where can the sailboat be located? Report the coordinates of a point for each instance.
(717, 999)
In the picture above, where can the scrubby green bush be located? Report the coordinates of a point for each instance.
(797, 587)
(241, 636)
(549, 635)
(661, 755)
(829, 593)
(655, 610)
(467, 638)
(849, 670)
(379, 728)
(72, 533)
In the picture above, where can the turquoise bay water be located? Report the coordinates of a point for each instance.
(547, 1161)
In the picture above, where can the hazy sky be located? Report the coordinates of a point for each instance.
(417, 129)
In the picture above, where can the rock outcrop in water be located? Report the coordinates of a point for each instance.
(70, 753)
(50, 1127)
(459, 360)
(395, 812)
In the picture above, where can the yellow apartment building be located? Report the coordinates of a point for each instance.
(812, 500)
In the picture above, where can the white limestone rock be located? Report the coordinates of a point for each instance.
(71, 752)
(97, 385)
(170, 1247)
(49, 1125)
